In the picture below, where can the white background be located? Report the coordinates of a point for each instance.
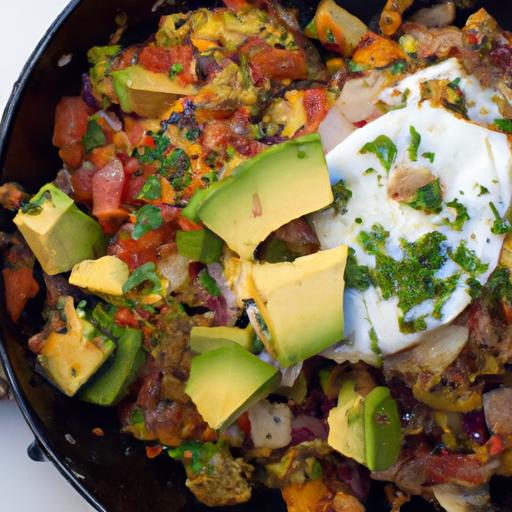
(26, 486)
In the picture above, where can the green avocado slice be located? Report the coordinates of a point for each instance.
(50, 223)
(203, 339)
(225, 382)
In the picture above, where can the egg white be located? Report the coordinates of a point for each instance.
(467, 156)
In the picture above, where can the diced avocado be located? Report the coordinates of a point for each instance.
(346, 424)
(59, 234)
(264, 193)
(203, 339)
(367, 429)
(301, 303)
(104, 275)
(201, 245)
(70, 359)
(225, 382)
(382, 429)
(146, 93)
(110, 384)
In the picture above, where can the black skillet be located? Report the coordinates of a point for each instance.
(111, 472)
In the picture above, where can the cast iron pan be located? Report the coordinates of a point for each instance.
(111, 472)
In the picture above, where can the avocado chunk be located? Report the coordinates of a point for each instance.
(110, 384)
(203, 339)
(280, 184)
(105, 275)
(201, 245)
(146, 93)
(225, 382)
(367, 429)
(301, 304)
(58, 233)
(382, 429)
(70, 359)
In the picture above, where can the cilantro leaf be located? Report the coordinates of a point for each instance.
(414, 144)
(468, 260)
(461, 217)
(94, 136)
(505, 125)
(208, 283)
(151, 189)
(429, 156)
(342, 195)
(428, 198)
(501, 224)
(146, 272)
(148, 218)
(383, 148)
(176, 69)
(356, 276)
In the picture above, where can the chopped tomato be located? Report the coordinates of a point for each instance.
(71, 117)
(188, 225)
(316, 107)
(153, 451)
(72, 154)
(244, 423)
(101, 157)
(81, 180)
(133, 188)
(134, 130)
(125, 318)
(107, 191)
(277, 64)
(160, 60)
(236, 5)
(143, 250)
(125, 59)
(453, 467)
(20, 286)
(131, 165)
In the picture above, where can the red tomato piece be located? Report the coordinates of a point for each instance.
(125, 318)
(72, 154)
(71, 117)
(156, 58)
(20, 286)
(316, 107)
(81, 180)
(236, 5)
(107, 189)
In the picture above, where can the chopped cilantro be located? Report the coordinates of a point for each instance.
(383, 148)
(35, 205)
(208, 283)
(374, 342)
(342, 195)
(461, 217)
(483, 190)
(428, 198)
(505, 125)
(373, 241)
(398, 67)
(370, 170)
(414, 144)
(358, 220)
(429, 156)
(195, 455)
(178, 163)
(412, 326)
(356, 276)
(151, 190)
(501, 225)
(137, 416)
(468, 260)
(176, 69)
(330, 37)
(148, 218)
(192, 134)
(146, 272)
(353, 67)
(94, 136)
(499, 285)
(444, 292)
(475, 288)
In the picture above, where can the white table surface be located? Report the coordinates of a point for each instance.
(26, 486)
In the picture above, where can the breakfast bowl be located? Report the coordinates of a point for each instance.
(112, 470)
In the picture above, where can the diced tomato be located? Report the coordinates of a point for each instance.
(20, 286)
(153, 451)
(159, 60)
(244, 423)
(72, 154)
(133, 188)
(236, 5)
(156, 58)
(81, 180)
(134, 130)
(360, 124)
(107, 190)
(277, 64)
(316, 107)
(462, 468)
(143, 250)
(71, 117)
(496, 445)
(125, 318)
(131, 165)
(101, 156)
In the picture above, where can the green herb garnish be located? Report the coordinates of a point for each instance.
(208, 283)
(151, 190)
(342, 195)
(501, 225)
(461, 217)
(505, 125)
(356, 276)
(414, 144)
(176, 69)
(373, 241)
(429, 156)
(428, 198)
(94, 136)
(383, 148)
(148, 217)
(468, 260)
(146, 272)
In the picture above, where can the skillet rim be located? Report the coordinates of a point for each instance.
(6, 125)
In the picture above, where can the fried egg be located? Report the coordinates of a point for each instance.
(474, 167)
